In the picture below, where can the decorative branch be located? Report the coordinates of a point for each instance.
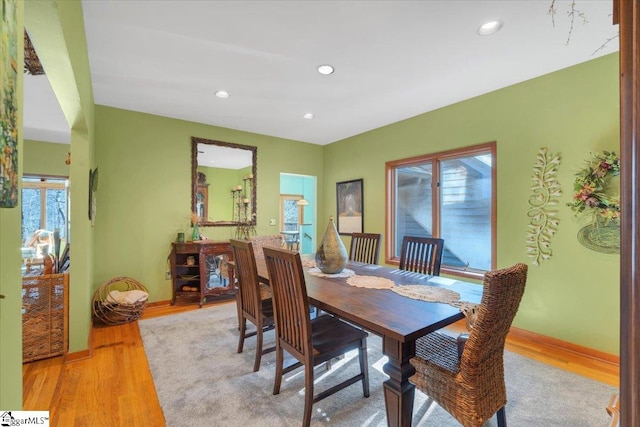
(552, 11)
(605, 44)
(543, 223)
(572, 13)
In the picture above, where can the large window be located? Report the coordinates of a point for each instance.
(44, 206)
(450, 195)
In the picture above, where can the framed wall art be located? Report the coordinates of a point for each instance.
(8, 105)
(350, 204)
(93, 187)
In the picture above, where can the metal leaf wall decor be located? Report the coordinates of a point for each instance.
(543, 218)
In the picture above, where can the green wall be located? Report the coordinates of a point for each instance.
(10, 281)
(56, 29)
(45, 158)
(144, 192)
(574, 295)
(220, 181)
(144, 196)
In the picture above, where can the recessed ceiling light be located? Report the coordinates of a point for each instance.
(489, 28)
(325, 69)
(308, 116)
(222, 94)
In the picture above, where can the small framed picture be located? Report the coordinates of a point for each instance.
(93, 187)
(350, 205)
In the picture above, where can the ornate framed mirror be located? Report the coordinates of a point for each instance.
(223, 182)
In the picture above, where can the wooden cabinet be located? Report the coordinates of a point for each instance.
(199, 271)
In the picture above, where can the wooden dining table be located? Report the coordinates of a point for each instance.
(399, 320)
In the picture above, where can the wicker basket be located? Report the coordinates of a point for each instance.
(109, 312)
(44, 316)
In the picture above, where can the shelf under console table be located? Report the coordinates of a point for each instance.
(199, 271)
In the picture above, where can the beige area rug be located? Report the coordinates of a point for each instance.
(202, 381)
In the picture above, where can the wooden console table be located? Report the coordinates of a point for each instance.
(199, 269)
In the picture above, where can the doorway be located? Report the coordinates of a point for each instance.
(298, 203)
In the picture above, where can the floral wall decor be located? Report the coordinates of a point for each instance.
(598, 199)
(8, 105)
(543, 220)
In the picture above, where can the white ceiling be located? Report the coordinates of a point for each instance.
(43, 119)
(214, 156)
(393, 59)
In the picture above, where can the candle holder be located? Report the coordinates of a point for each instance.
(241, 208)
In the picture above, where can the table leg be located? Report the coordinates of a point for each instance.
(398, 391)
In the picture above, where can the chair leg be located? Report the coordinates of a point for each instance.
(239, 309)
(279, 362)
(502, 417)
(364, 367)
(256, 364)
(308, 394)
(243, 331)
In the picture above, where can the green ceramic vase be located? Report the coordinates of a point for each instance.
(331, 256)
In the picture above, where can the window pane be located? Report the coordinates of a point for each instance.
(30, 212)
(465, 211)
(413, 210)
(56, 210)
(291, 210)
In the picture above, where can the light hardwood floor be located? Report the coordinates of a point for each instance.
(114, 387)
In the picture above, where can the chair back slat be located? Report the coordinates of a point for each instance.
(247, 274)
(365, 247)
(421, 254)
(503, 290)
(290, 304)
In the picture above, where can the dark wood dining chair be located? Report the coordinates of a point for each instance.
(310, 341)
(251, 306)
(365, 247)
(471, 387)
(421, 255)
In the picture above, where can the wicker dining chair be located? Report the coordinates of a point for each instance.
(258, 242)
(470, 385)
(251, 306)
(365, 247)
(310, 341)
(421, 254)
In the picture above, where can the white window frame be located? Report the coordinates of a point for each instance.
(45, 183)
